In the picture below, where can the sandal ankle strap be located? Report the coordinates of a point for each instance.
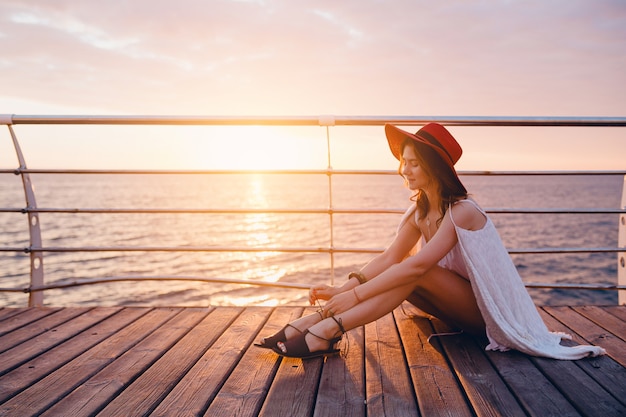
(319, 337)
(339, 323)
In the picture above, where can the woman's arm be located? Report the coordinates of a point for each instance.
(465, 215)
(404, 241)
(399, 249)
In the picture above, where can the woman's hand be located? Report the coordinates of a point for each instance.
(322, 292)
(340, 303)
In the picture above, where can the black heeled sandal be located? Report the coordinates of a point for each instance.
(271, 341)
(296, 347)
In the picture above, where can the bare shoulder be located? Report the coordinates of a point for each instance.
(468, 216)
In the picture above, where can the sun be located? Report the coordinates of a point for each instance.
(257, 148)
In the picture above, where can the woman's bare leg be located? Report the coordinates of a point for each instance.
(365, 312)
(450, 298)
(302, 324)
(439, 292)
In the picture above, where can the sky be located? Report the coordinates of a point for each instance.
(309, 58)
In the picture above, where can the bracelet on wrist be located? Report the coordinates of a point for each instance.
(359, 276)
(358, 299)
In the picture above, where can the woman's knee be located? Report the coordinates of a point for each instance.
(448, 296)
(430, 282)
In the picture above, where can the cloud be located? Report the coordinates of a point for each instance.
(285, 57)
(353, 57)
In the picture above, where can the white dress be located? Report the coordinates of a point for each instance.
(511, 318)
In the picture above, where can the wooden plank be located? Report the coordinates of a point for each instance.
(6, 313)
(533, 390)
(584, 391)
(342, 384)
(145, 393)
(37, 368)
(389, 391)
(603, 369)
(605, 320)
(292, 392)
(589, 397)
(617, 311)
(591, 332)
(487, 392)
(16, 356)
(25, 318)
(247, 386)
(437, 390)
(191, 396)
(99, 390)
(38, 327)
(43, 394)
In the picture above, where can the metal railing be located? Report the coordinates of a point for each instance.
(36, 249)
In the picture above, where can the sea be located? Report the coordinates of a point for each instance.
(271, 230)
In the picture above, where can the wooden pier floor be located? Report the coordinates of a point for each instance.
(200, 361)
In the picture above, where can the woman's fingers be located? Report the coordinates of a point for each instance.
(340, 303)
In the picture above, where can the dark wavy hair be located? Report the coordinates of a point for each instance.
(450, 187)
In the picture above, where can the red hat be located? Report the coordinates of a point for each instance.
(433, 134)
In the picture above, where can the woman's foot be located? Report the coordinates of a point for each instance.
(289, 331)
(309, 344)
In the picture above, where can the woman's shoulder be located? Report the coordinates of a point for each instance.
(467, 203)
(468, 214)
(409, 217)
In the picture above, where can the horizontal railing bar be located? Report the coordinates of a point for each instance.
(575, 286)
(555, 210)
(565, 250)
(25, 210)
(290, 285)
(320, 120)
(540, 173)
(204, 211)
(18, 171)
(80, 282)
(57, 249)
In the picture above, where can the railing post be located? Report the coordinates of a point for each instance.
(328, 121)
(36, 257)
(621, 256)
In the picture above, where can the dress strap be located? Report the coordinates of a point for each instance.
(468, 200)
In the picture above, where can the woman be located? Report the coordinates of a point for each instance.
(462, 274)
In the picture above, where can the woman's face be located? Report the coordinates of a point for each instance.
(412, 171)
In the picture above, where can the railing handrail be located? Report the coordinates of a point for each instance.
(36, 249)
(322, 120)
(233, 210)
(291, 249)
(18, 171)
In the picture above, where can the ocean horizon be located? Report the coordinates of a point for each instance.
(267, 230)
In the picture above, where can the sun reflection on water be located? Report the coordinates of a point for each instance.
(258, 229)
